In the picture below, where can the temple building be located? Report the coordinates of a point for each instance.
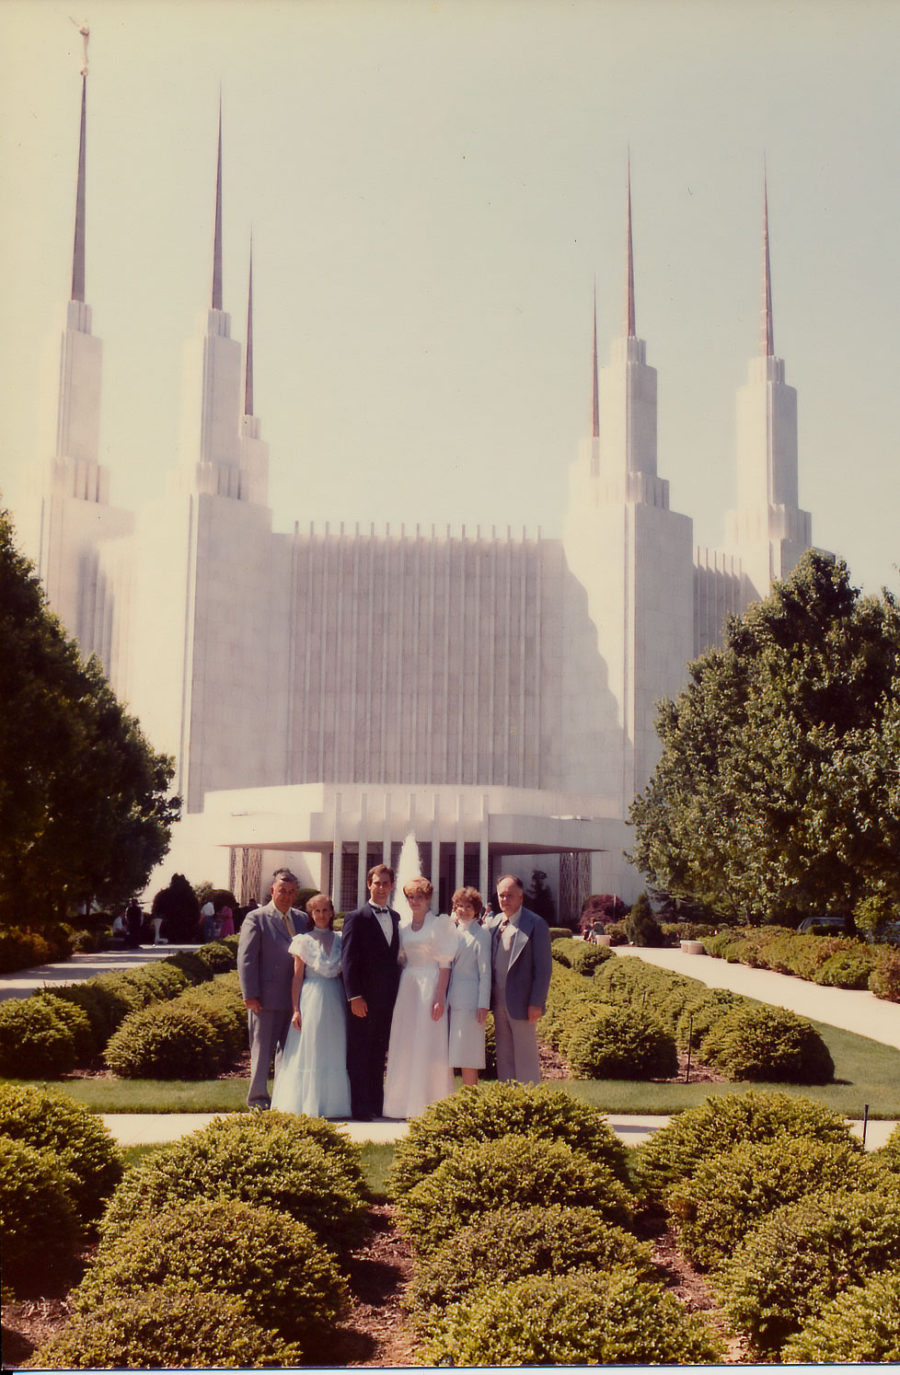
(313, 692)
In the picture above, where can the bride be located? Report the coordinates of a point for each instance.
(418, 1063)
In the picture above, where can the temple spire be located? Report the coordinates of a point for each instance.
(766, 339)
(217, 241)
(630, 332)
(595, 378)
(248, 366)
(78, 250)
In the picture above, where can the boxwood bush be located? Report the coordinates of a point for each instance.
(605, 1318)
(273, 1160)
(76, 1019)
(218, 956)
(560, 951)
(498, 1247)
(884, 980)
(489, 1111)
(699, 1015)
(847, 968)
(76, 1138)
(86, 997)
(511, 1172)
(221, 1001)
(768, 1043)
(287, 1279)
(889, 1154)
(860, 1325)
(730, 1193)
(165, 1329)
(801, 1257)
(675, 1151)
(166, 1041)
(585, 957)
(620, 1043)
(39, 1227)
(36, 1040)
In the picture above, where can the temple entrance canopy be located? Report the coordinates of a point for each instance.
(466, 835)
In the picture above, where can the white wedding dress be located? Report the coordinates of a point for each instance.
(418, 1063)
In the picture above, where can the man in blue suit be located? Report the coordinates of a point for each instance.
(521, 959)
(370, 945)
(266, 969)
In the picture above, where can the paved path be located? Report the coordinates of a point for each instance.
(851, 1009)
(81, 967)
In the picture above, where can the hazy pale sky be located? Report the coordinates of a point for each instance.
(433, 189)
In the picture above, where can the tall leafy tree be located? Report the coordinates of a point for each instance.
(777, 794)
(85, 810)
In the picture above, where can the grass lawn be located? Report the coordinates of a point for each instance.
(866, 1072)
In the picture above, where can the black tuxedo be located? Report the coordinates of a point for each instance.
(371, 971)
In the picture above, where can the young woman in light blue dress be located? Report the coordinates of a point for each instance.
(313, 1074)
(469, 994)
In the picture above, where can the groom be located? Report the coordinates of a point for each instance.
(370, 945)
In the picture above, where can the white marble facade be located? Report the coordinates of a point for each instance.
(313, 690)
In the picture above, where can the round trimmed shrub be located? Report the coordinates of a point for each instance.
(511, 1172)
(498, 1247)
(560, 953)
(218, 957)
(220, 1000)
(768, 1043)
(86, 997)
(699, 1015)
(730, 1193)
(675, 1151)
(76, 1138)
(270, 1159)
(289, 1282)
(36, 1041)
(38, 1224)
(165, 1041)
(801, 1257)
(489, 1111)
(585, 957)
(578, 1319)
(620, 1043)
(78, 1023)
(165, 1329)
(156, 983)
(860, 1325)
(196, 971)
(117, 998)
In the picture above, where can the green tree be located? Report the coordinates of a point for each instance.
(777, 794)
(84, 805)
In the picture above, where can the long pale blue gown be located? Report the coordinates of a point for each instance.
(313, 1075)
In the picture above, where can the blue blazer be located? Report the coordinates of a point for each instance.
(530, 964)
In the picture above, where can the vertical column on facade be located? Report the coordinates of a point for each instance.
(386, 833)
(460, 840)
(484, 854)
(337, 850)
(362, 858)
(436, 843)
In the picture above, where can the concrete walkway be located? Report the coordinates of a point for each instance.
(81, 967)
(850, 1009)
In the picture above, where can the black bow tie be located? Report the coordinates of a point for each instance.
(379, 911)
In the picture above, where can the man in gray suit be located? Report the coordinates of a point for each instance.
(266, 968)
(521, 959)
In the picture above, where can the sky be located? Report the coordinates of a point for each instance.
(434, 189)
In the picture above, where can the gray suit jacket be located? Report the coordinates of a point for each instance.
(530, 964)
(265, 964)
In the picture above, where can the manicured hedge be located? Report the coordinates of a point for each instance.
(274, 1263)
(801, 1257)
(166, 1041)
(861, 1325)
(620, 1043)
(511, 1172)
(769, 1044)
(498, 1247)
(298, 1165)
(76, 1139)
(676, 1151)
(589, 1317)
(165, 1329)
(35, 1041)
(39, 1227)
(730, 1193)
(484, 1113)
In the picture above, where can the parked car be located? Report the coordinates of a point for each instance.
(821, 926)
